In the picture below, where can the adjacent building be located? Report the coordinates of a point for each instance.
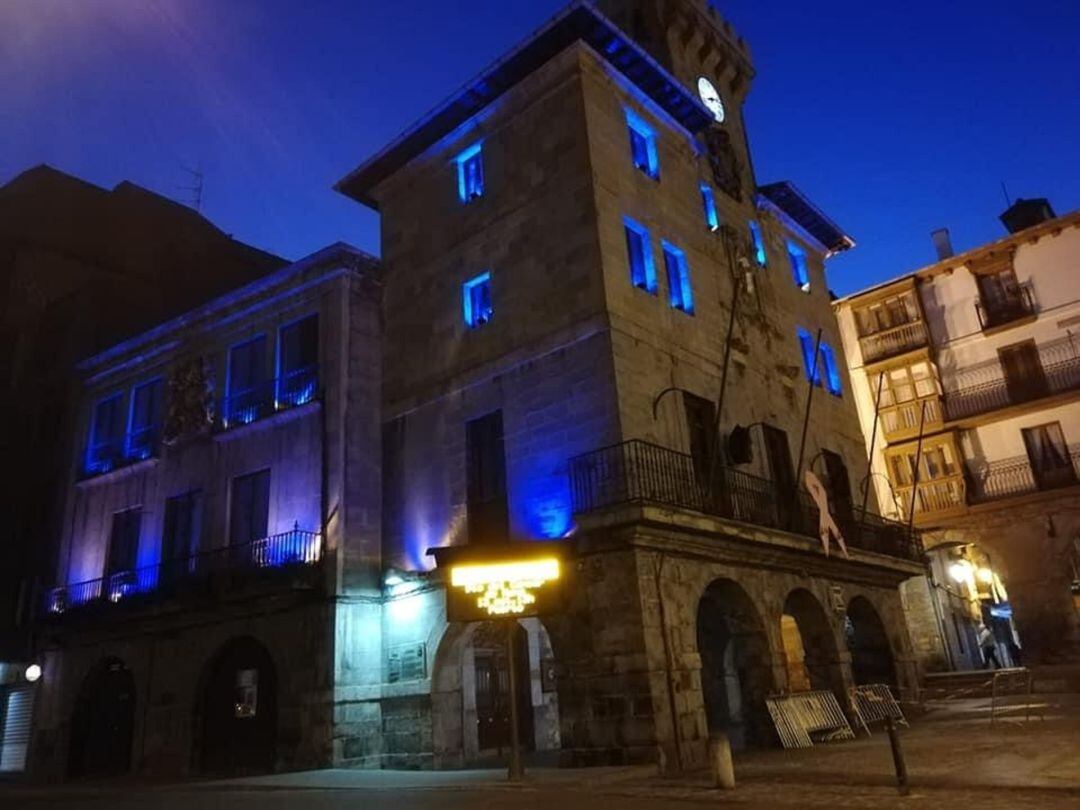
(223, 493)
(81, 267)
(967, 376)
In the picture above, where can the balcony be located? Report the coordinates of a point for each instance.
(1015, 476)
(113, 454)
(636, 472)
(290, 390)
(296, 549)
(894, 341)
(985, 387)
(934, 496)
(903, 420)
(1016, 306)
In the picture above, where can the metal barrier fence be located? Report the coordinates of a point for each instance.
(801, 717)
(874, 703)
(1009, 683)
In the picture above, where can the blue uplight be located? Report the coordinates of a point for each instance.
(800, 272)
(639, 253)
(810, 365)
(476, 301)
(759, 244)
(470, 171)
(680, 292)
(643, 145)
(708, 202)
(832, 370)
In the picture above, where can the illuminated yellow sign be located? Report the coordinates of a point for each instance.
(505, 589)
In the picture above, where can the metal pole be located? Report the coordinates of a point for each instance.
(516, 771)
(898, 758)
(873, 446)
(918, 464)
(806, 416)
(727, 357)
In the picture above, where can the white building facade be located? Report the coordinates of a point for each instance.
(967, 378)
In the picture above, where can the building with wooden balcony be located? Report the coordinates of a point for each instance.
(967, 378)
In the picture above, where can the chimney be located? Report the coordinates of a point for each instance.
(942, 243)
(1024, 214)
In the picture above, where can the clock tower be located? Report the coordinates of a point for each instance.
(703, 51)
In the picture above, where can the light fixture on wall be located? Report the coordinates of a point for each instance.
(33, 673)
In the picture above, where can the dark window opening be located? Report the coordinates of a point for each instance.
(488, 519)
(298, 362)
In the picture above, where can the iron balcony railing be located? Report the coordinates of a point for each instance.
(290, 390)
(1000, 311)
(138, 445)
(287, 550)
(893, 341)
(985, 387)
(639, 472)
(1017, 476)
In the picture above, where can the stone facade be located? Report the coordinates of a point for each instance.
(575, 357)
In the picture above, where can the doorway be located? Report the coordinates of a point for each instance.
(736, 667)
(103, 723)
(871, 654)
(492, 680)
(239, 711)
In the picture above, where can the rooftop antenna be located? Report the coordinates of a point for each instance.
(196, 188)
(1005, 191)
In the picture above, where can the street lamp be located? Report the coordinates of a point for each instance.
(33, 673)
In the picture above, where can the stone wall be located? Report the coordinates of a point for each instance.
(169, 660)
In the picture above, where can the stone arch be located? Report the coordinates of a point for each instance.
(817, 643)
(736, 664)
(872, 658)
(236, 710)
(455, 714)
(103, 722)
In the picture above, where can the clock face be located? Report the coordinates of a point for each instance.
(710, 97)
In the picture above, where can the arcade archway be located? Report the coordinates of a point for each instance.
(810, 648)
(871, 654)
(471, 695)
(103, 722)
(236, 722)
(736, 666)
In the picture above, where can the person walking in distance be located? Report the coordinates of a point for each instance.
(988, 645)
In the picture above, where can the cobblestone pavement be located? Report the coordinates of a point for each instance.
(953, 757)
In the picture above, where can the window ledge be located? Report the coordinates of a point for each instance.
(118, 473)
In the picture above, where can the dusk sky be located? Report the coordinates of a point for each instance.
(895, 118)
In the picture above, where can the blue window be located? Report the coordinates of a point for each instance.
(476, 300)
(800, 271)
(470, 172)
(144, 420)
(249, 395)
(643, 145)
(680, 293)
(832, 370)
(708, 202)
(105, 449)
(639, 252)
(298, 362)
(758, 242)
(826, 361)
(811, 364)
